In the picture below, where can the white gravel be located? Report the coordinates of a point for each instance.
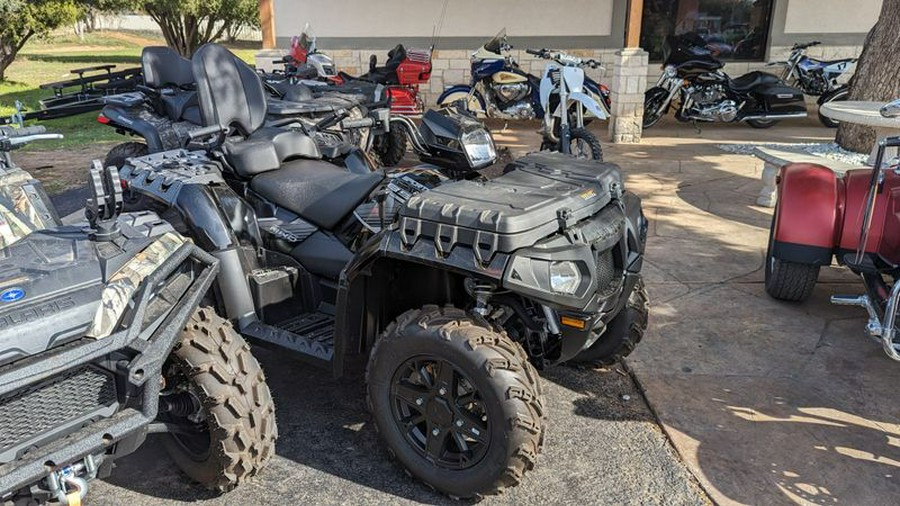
(829, 150)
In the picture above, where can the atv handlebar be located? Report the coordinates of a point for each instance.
(205, 132)
(11, 138)
(22, 132)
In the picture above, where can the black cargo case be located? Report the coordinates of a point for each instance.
(781, 98)
(539, 195)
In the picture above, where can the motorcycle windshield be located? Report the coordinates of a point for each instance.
(495, 44)
(307, 39)
(678, 49)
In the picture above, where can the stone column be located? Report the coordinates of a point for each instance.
(627, 95)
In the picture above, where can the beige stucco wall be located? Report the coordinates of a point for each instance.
(831, 16)
(416, 18)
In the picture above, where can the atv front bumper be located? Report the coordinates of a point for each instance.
(92, 398)
(580, 330)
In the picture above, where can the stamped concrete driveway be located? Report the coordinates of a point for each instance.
(767, 402)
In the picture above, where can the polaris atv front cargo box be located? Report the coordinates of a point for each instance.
(539, 194)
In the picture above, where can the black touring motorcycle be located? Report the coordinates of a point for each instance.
(452, 296)
(693, 82)
(105, 338)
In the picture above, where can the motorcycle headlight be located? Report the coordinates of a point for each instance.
(670, 71)
(479, 147)
(564, 277)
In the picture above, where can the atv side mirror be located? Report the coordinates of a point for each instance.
(891, 109)
(105, 203)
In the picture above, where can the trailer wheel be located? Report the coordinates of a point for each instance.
(790, 281)
(222, 408)
(622, 334)
(456, 401)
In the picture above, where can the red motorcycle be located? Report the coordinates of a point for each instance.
(855, 219)
(402, 74)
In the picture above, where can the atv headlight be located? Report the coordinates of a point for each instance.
(479, 147)
(564, 277)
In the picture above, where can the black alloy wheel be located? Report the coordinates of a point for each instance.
(440, 412)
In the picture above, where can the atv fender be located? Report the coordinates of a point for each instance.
(122, 120)
(808, 214)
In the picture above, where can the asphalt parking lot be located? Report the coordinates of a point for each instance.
(603, 447)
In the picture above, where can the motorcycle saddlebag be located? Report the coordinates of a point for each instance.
(538, 195)
(781, 98)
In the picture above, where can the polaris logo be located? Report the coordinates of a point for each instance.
(12, 294)
(34, 313)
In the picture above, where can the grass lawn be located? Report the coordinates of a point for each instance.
(49, 60)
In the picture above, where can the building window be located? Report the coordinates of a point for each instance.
(732, 29)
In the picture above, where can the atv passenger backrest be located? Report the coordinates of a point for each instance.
(231, 93)
(163, 66)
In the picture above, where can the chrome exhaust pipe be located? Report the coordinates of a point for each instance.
(776, 116)
(412, 133)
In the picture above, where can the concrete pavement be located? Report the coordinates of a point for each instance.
(767, 402)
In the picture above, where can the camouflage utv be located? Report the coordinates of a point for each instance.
(104, 339)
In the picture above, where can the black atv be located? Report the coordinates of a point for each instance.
(463, 288)
(105, 338)
(164, 110)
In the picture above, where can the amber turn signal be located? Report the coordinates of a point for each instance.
(568, 321)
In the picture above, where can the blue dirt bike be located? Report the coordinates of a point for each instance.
(818, 78)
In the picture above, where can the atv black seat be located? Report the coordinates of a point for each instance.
(168, 71)
(751, 80)
(232, 96)
(163, 67)
(319, 192)
(268, 149)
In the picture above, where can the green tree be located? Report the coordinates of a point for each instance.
(24, 19)
(188, 24)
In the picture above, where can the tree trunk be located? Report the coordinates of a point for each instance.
(8, 51)
(877, 76)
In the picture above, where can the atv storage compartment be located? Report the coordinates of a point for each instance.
(782, 99)
(53, 282)
(539, 195)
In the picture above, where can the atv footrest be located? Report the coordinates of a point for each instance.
(311, 335)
